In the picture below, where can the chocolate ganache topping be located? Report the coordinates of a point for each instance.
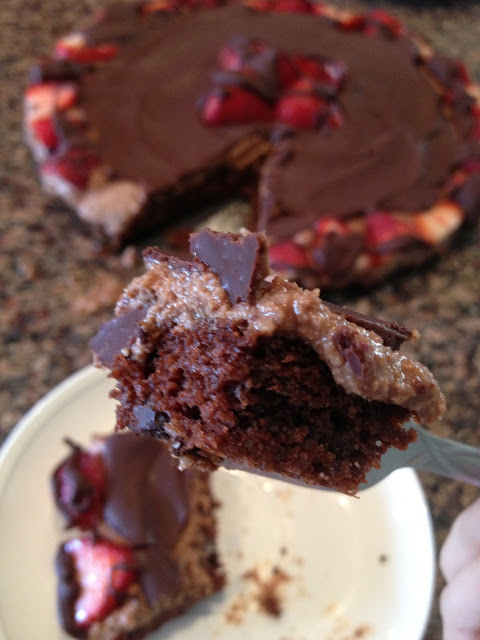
(162, 512)
(394, 149)
(147, 502)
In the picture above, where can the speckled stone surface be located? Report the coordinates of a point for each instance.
(56, 287)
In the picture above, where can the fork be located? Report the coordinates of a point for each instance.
(432, 453)
(428, 453)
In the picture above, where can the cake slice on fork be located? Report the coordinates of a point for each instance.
(230, 363)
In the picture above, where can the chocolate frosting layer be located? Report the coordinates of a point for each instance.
(147, 503)
(393, 152)
(147, 497)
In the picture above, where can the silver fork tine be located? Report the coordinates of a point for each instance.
(446, 457)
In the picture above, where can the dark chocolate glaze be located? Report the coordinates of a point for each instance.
(392, 333)
(236, 259)
(115, 335)
(147, 503)
(394, 151)
(147, 497)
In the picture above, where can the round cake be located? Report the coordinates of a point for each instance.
(357, 145)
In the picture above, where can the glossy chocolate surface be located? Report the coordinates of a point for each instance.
(393, 151)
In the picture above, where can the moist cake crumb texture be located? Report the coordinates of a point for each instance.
(143, 550)
(358, 146)
(278, 380)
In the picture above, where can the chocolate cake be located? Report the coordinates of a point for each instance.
(358, 146)
(229, 363)
(145, 551)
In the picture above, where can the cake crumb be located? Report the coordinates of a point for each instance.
(268, 596)
(237, 610)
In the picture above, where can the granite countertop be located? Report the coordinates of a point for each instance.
(56, 286)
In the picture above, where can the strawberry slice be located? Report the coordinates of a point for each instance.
(153, 6)
(287, 70)
(73, 47)
(239, 53)
(384, 19)
(288, 254)
(79, 488)
(259, 5)
(355, 22)
(382, 229)
(230, 58)
(234, 105)
(301, 111)
(325, 226)
(292, 6)
(43, 99)
(330, 72)
(103, 573)
(44, 132)
(75, 166)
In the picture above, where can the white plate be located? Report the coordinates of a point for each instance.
(356, 566)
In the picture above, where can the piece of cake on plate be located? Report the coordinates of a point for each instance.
(144, 550)
(229, 363)
(357, 145)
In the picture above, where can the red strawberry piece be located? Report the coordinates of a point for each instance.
(336, 71)
(73, 47)
(259, 5)
(43, 99)
(326, 226)
(475, 133)
(230, 58)
(75, 166)
(292, 6)
(383, 229)
(157, 5)
(356, 22)
(43, 130)
(311, 66)
(103, 572)
(472, 166)
(288, 254)
(79, 488)
(66, 96)
(462, 73)
(335, 117)
(40, 101)
(392, 24)
(234, 105)
(287, 71)
(302, 111)
(330, 72)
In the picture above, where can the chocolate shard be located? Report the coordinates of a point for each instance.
(392, 334)
(115, 335)
(239, 260)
